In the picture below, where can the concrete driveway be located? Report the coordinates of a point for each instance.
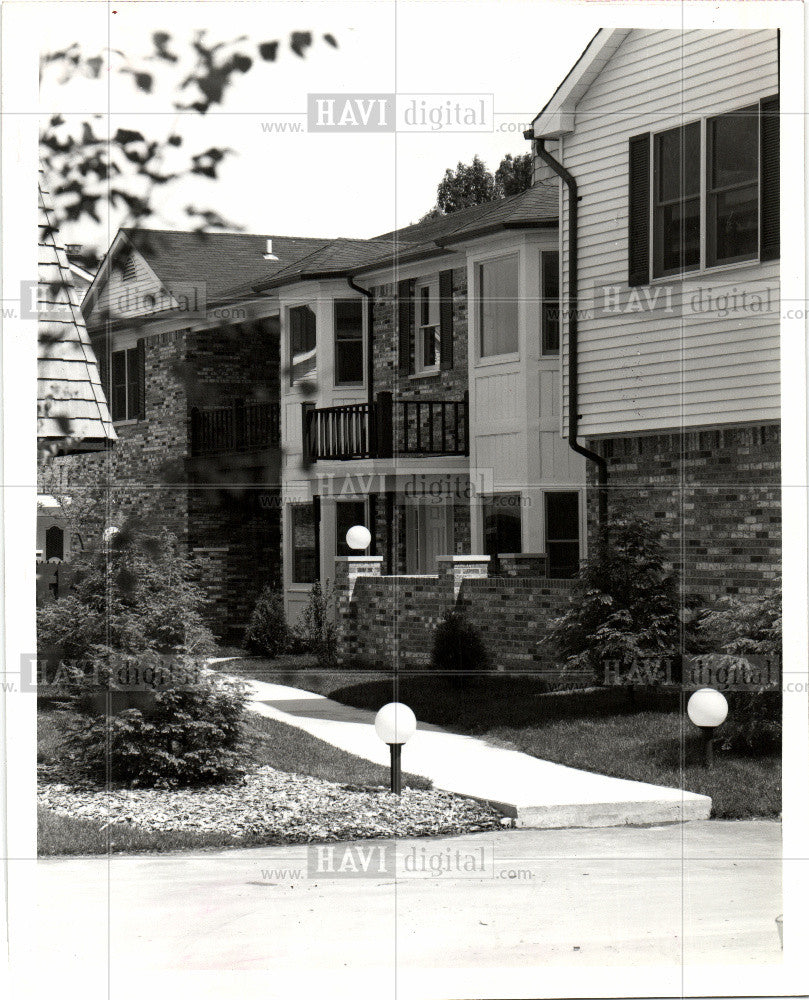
(670, 896)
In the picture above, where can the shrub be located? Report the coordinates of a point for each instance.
(134, 595)
(267, 633)
(624, 605)
(190, 733)
(317, 631)
(747, 626)
(458, 648)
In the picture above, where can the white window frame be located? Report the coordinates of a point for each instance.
(478, 263)
(703, 266)
(434, 317)
(364, 311)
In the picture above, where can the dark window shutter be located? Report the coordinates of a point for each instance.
(140, 412)
(769, 180)
(407, 339)
(445, 296)
(638, 230)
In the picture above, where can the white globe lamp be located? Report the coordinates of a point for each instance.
(395, 723)
(358, 537)
(707, 709)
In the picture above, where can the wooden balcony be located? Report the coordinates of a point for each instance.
(238, 427)
(422, 427)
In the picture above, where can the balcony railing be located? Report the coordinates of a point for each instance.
(237, 427)
(384, 428)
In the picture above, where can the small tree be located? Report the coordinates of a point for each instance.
(133, 595)
(624, 604)
(267, 632)
(317, 629)
(458, 649)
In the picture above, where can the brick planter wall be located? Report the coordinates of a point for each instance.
(390, 620)
(716, 495)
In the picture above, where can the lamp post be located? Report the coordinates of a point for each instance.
(395, 723)
(358, 538)
(707, 709)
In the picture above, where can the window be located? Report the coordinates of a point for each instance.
(713, 189)
(502, 524)
(303, 541)
(562, 534)
(550, 302)
(54, 543)
(348, 513)
(124, 385)
(348, 342)
(677, 200)
(302, 343)
(428, 328)
(497, 315)
(732, 187)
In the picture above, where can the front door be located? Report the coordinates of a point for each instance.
(429, 535)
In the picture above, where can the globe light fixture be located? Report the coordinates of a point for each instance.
(358, 537)
(707, 709)
(110, 533)
(395, 723)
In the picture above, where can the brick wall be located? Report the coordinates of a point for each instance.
(215, 506)
(390, 620)
(716, 496)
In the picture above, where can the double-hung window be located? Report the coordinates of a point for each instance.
(302, 343)
(677, 200)
(705, 194)
(550, 302)
(124, 384)
(428, 328)
(348, 342)
(303, 542)
(497, 282)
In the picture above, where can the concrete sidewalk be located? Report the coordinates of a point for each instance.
(535, 792)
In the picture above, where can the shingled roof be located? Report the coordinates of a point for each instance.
(226, 262)
(535, 208)
(72, 412)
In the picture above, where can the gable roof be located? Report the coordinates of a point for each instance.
(72, 411)
(557, 117)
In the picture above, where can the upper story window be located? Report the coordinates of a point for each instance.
(550, 302)
(497, 282)
(302, 343)
(705, 194)
(732, 187)
(348, 342)
(676, 200)
(428, 329)
(125, 384)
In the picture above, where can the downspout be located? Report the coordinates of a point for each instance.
(369, 376)
(573, 333)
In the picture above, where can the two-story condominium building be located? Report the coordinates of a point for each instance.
(420, 396)
(666, 145)
(190, 358)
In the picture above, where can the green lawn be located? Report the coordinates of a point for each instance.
(645, 737)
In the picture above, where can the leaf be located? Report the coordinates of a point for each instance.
(126, 135)
(300, 41)
(331, 40)
(268, 51)
(143, 81)
(175, 140)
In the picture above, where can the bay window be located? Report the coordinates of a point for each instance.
(348, 342)
(302, 343)
(497, 282)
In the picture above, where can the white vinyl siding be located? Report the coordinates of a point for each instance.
(649, 371)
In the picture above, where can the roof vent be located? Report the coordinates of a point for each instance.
(269, 255)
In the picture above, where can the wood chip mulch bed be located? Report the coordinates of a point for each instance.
(278, 805)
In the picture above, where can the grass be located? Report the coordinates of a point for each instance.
(643, 736)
